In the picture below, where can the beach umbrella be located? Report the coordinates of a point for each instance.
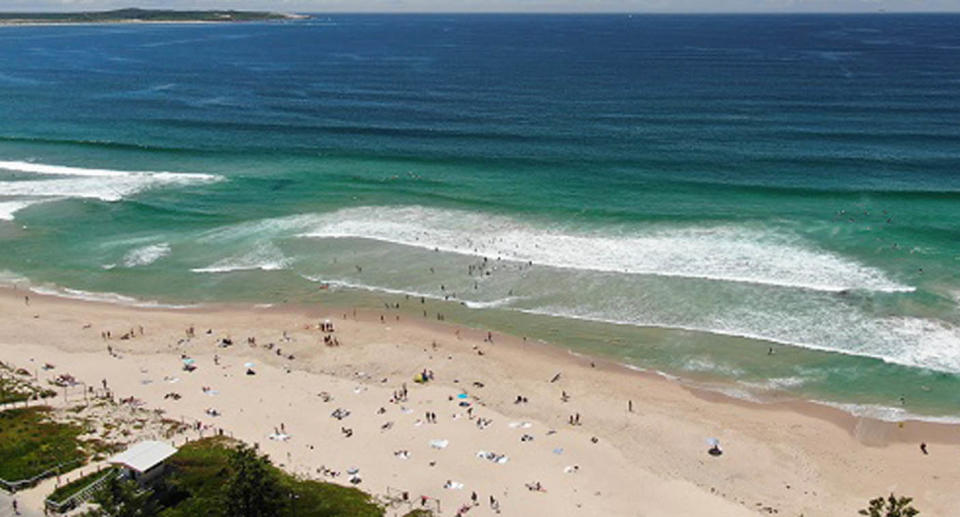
(714, 447)
(462, 396)
(248, 365)
(188, 361)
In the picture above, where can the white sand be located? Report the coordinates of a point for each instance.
(795, 458)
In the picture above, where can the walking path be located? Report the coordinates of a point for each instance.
(6, 506)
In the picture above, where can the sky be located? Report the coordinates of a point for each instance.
(639, 6)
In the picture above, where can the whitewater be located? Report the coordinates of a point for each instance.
(83, 183)
(714, 253)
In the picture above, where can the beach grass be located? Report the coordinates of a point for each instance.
(11, 391)
(199, 470)
(14, 388)
(31, 443)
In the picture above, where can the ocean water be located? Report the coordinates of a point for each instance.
(680, 193)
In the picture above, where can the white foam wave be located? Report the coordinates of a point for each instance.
(716, 253)
(75, 182)
(778, 383)
(905, 341)
(491, 304)
(114, 298)
(60, 170)
(146, 255)
(9, 278)
(8, 208)
(364, 287)
(807, 319)
(704, 364)
(264, 257)
(874, 411)
(634, 368)
(886, 413)
(77, 294)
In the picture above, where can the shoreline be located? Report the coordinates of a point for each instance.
(710, 388)
(778, 454)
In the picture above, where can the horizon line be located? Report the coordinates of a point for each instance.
(530, 12)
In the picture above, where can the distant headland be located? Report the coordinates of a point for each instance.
(142, 16)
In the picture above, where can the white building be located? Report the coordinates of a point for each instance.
(144, 461)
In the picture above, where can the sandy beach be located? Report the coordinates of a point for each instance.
(495, 419)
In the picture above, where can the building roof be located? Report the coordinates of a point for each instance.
(144, 455)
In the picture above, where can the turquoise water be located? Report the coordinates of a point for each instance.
(682, 193)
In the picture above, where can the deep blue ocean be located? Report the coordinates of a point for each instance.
(681, 193)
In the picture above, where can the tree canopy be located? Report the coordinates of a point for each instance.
(890, 507)
(252, 490)
(123, 498)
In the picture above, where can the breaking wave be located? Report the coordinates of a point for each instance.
(54, 182)
(720, 253)
(264, 257)
(146, 255)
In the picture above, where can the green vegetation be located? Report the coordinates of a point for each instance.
(206, 476)
(14, 389)
(123, 498)
(219, 477)
(64, 491)
(141, 15)
(890, 507)
(418, 513)
(252, 489)
(31, 443)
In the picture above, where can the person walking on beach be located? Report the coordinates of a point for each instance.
(16, 508)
